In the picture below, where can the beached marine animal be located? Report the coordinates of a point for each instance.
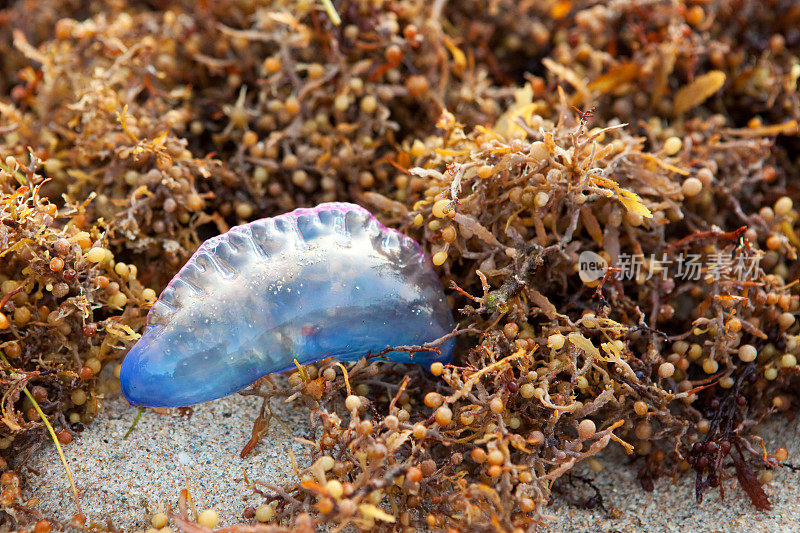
(330, 281)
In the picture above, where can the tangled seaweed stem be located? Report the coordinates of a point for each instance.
(427, 346)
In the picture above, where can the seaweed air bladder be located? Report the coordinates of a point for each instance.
(293, 289)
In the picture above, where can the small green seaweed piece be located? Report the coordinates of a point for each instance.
(135, 421)
(497, 301)
(20, 177)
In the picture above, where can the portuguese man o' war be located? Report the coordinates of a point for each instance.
(330, 281)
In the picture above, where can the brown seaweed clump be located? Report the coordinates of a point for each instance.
(67, 313)
(300, 110)
(671, 367)
(606, 190)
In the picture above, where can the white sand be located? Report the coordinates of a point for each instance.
(128, 480)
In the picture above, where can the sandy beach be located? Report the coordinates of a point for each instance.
(128, 480)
